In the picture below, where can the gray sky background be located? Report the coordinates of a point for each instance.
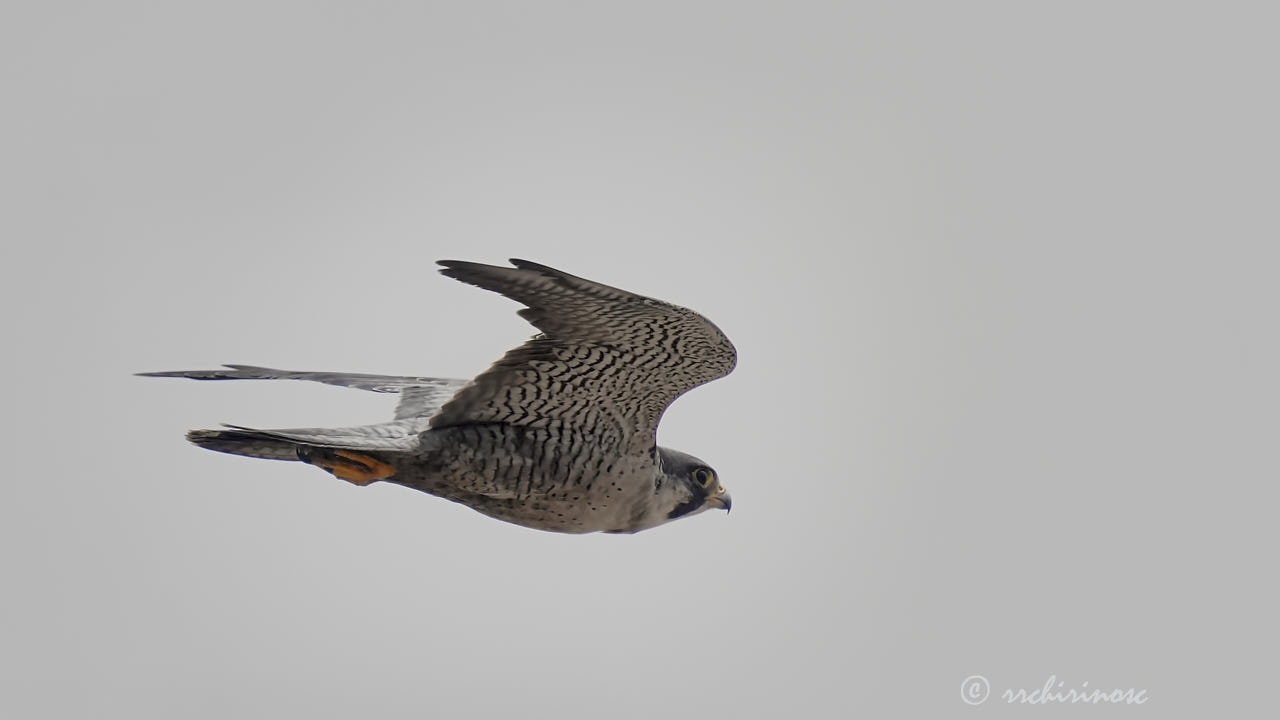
(1002, 278)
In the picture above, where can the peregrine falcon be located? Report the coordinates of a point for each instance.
(559, 434)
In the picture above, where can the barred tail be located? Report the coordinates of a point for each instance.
(357, 464)
(246, 443)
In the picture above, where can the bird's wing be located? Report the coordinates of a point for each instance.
(608, 362)
(425, 400)
(419, 396)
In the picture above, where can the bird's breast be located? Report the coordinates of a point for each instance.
(544, 478)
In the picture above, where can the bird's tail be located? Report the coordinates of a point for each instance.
(357, 459)
(245, 442)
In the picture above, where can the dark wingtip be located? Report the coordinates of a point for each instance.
(536, 267)
(515, 262)
(554, 274)
(462, 270)
(236, 372)
(501, 279)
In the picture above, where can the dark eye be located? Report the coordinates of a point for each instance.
(704, 477)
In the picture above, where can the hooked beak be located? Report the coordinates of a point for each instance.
(721, 500)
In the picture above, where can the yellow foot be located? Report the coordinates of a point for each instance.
(353, 467)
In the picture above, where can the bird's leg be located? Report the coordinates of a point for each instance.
(355, 468)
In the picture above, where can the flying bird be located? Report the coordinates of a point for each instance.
(560, 434)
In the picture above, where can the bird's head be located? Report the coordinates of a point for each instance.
(690, 485)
